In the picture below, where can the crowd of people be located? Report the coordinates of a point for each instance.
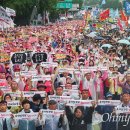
(59, 75)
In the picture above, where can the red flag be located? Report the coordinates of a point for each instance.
(104, 15)
(123, 16)
(119, 24)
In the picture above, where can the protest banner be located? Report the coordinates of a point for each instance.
(37, 78)
(32, 93)
(10, 12)
(79, 103)
(52, 112)
(14, 94)
(28, 73)
(4, 16)
(13, 103)
(39, 57)
(5, 115)
(26, 116)
(5, 89)
(49, 64)
(60, 56)
(109, 102)
(18, 58)
(59, 98)
(4, 57)
(119, 110)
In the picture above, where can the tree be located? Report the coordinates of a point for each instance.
(24, 8)
(80, 2)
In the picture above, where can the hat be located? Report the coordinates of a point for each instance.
(41, 86)
(36, 97)
(125, 92)
(52, 102)
(88, 72)
(108, 95)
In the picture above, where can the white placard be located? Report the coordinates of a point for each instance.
(53, 112)
(109, 102)
(28, 116)
(13, 103)
(14, 94)
(32, 93)
(5, 115)
(80, 103)
(119, 110)
(59, 98)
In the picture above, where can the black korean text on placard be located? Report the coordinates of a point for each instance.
(29, 56)
(39, 57)
(18, 58)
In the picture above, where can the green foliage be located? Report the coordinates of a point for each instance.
(109, 3)
(24, 7)
(112, 4)
(80, 2)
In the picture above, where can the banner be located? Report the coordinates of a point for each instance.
(14, 94)
(23, 57)
(60, 56)
(10, 12)
(5, 89)
(41, 77)
(4, 57)
(18, 58)
(39, 57)
(59, 98)
(13, 103)
(104, 15)
(52, 112)
(127, 7)
(119, 110)
(49, 64)
(119, 24)
(123, 16)
(109, 102)
(80, 103)
(4, 16)
(32, 93)
(26, 116)
(28, 73)
(5, 115)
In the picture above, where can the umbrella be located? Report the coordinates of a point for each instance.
(99, 38)
(92, 34)
(106, 45)
(128, 30)
(124, 41)
(107, 37)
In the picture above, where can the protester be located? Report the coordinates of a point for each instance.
(71, 63)
(24, 124)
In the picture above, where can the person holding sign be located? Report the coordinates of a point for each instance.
(78, 120)
(5, 122)
(104, 110)
(125, 84)
(89, 83)
(29, 123)
(124, 122)
(55, 122)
